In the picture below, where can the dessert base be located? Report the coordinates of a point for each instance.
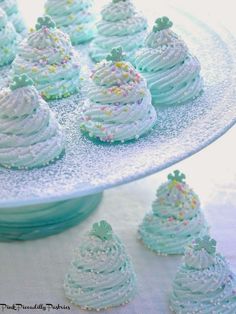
(37, 221)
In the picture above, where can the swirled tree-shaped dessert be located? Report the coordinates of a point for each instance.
(119, 106)
(101, 274)
(74, 17)
(30, 136)
(48, 57)
(121, 25)
(204, 282)
(172, 73)
(176, 218)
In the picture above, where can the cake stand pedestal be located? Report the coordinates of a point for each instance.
(37, 221)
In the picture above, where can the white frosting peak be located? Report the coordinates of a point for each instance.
(20, 102)
(164, 37)
(200, 259)
(48, 37)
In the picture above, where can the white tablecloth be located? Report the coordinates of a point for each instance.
(32, 272)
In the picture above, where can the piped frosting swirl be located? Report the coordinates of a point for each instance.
(119, 106)
(121, 25)
(101, 274)
(48, 57)
(30, 136)
(172, 73)
(204, 283)
(74, 17)
(175, 220)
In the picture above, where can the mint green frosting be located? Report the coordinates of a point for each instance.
(162, 23)
(101, 274)
(45, 21)
(102, 230)
(30, 136)
(48, 57)
(119, 106)
(120, 25)
(203, 284)
(8, 40)
(74, 17)
(175, 220)
(116, 55)
(11, 9)
(206, 244)
(21, 81)
(172, 73)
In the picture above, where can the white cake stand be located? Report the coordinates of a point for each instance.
(44, 201)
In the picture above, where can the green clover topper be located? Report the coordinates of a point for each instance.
(102, 230)
(177, 176)
(116, 55)
(205, 243)
(45, 21)
(162, 23)
(21, 81)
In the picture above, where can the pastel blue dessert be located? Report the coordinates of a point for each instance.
(11, 9)
(30, 136)
(172, 73)
(8, 40)
(204, 282)
(73, 17)
(175, 220)
(119, 103)
(122, 26)
(48, 57)
(101, 275)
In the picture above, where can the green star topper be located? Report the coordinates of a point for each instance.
(205, 243)
(177, 176)
(116, 55)
(21, 81)
(162, 23)
(45, 21)
(102, 230)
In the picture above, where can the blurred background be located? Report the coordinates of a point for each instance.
(222, 10)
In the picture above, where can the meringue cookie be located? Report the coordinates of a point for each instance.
(73, 17)
(175, 220)
(204, 283)
(30, 136)
(122, 26)
(172, 73)
(101, 274)
(119, 106)
(48, 57)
